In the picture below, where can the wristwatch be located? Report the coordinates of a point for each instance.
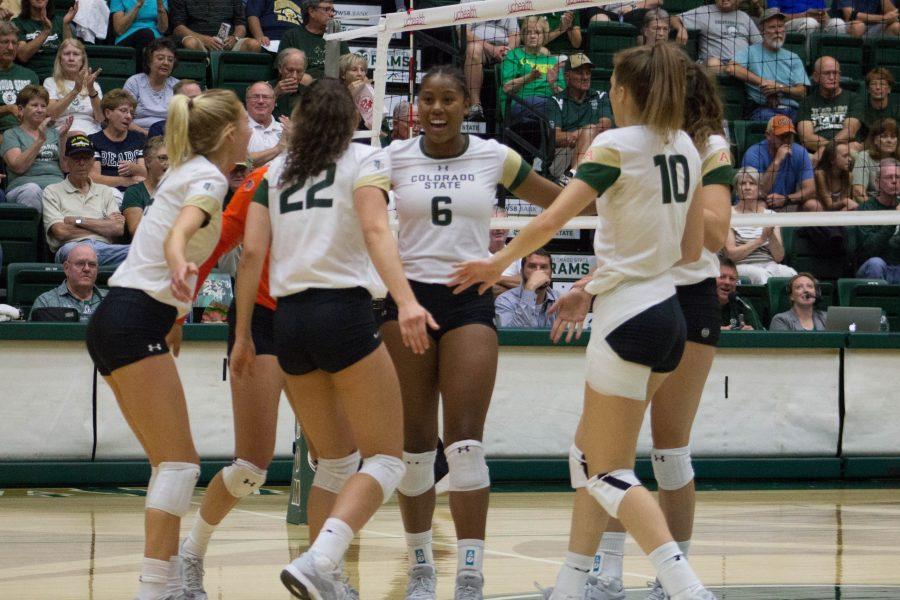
(78, 221)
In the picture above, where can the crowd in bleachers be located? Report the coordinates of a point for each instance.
(806, 87)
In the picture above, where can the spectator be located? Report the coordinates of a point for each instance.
(41, 29)
(737, 313)
(656, 27)
(189, 88)
(577, 115)
(13, 77)
(527, 304)
(829, 113)
(564, 32)
(265, 142)
(629, 11)
(775, 77)
(833, 178)
(153, 88)
(79, 291)
(757, 251)
(879, 245)
(405, 121)
(881, 144)
(723, 31)
(512, 276)
(870, 18)
(217, 26)
(73, 89)
(879, 83)
(808, 17)
(32, 150)
(353, 73)
(786, 173)
(292, 80)
(139, 196)
(487, 42)
(309, 37)
(803, 291)
(77, 210)
(119, 160)
(526, 72)
(268, 20)
(137, 23)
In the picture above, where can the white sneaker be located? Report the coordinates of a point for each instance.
(191, 575)
(701, 593)
(422, 583)
(547, 593)
(604, 588)
(657, 593)
(469, 585)
(313, 577)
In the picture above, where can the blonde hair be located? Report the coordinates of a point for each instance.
(656, 78)
(348, 61)
(542, 25)
(200, 125)
(58, 77)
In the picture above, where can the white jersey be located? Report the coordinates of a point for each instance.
(317, 240)
(645, 185)
(198, 183)
(445, 205)
(716, 169)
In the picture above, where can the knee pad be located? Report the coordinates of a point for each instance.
(386, 470)
(172, 488)
(672, 467)
(419, 476)
(468, 469)
(609, 489)
(333, 473)
(242, 478)
(578, 473)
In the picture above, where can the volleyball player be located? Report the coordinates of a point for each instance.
(645, 173)
(127, 336)
(323, 208)
(675, 404)
(445, 184)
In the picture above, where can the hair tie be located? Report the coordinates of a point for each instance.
(190, 103)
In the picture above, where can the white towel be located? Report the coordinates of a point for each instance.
(91, 20)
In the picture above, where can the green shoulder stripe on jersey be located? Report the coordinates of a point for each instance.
(600, 177)
(723, 175)
(261, 195)
(207, 204)
(521, 174)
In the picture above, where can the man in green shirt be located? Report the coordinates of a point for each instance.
(309, 37)
(577, 115)
(292, 80)
(879, 245)
(829, 113)
(13, 77)
(879, 83)
(79, 290)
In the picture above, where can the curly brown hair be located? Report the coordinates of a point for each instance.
(703, 112)
(323, 122)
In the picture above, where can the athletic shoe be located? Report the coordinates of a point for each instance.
(469, 585)
(604, 588)
(657, 593)
(476, 113)
(312, 577)
(422, 583)
(701, 593)
(546, 593)
(191, 575)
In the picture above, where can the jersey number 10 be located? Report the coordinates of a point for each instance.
(669, 167)
(287, 206)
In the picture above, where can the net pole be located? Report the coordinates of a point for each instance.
(412, 75)
(380, 79)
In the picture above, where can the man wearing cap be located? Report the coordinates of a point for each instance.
(576, 114)
(829, 112)
(266, 137)
(77, 210)
(776, 78)
(786, 173)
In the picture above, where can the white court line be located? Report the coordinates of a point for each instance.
(532, 596)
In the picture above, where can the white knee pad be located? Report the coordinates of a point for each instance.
(171, 489)
(333, 473)
(578, 474)
(386, 470)
(468, 469)
(242, 478)
(419, 476)
(609, 489)
(672, 467)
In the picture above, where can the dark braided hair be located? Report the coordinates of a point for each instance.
(450, 72)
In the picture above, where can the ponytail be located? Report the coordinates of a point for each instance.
(200, 125)
(178, 145)
(655, 76)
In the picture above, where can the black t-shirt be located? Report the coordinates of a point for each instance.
(109, 153)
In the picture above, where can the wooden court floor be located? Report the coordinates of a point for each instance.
(786, 545)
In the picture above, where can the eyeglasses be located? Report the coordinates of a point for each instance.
(327, 9)
(80, 264)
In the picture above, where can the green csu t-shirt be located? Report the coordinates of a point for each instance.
(136, 196)
(828, 115)
(519, 63)
(561, 45)
(30, 29)
(284, 104)
(567, 114)
(314, 47)
(45, 168)
(12, 80)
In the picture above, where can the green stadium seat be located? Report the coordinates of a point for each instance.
(26, 281)
(237, 70)
(886, 297)
(42, 64)
(778, 296)
(886, 53)
(692, 47)
(117, 63)
(848, 51)
(758, 297)
(745, 134)
(847, 285)
(192, 64)
(733, 94)
(600, 79)
(20, 228)
(606, 38)
(796, 43)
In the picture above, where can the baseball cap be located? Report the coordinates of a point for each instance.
(780, 125)
(579, 59)
(79, 144)
(771, 13)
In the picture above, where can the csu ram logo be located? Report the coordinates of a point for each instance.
(520, 6)
(465, 13)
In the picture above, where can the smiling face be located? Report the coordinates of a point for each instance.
(260, 102)
(879, 88)
(81, 268)
(442, 108)
(34, 112)
(803, 292)
(726, 283)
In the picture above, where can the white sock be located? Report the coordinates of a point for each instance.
(196, 542)
(685, 547)
(470, 555)
(573, 575)
(173, 579)
(333, 540)
(610, 555)
(673, 571)
(418, 548)
(153, 579)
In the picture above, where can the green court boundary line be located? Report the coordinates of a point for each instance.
(519, 471)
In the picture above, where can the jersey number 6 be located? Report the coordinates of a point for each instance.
(668, 172)
(441, 216)
(287, 206)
